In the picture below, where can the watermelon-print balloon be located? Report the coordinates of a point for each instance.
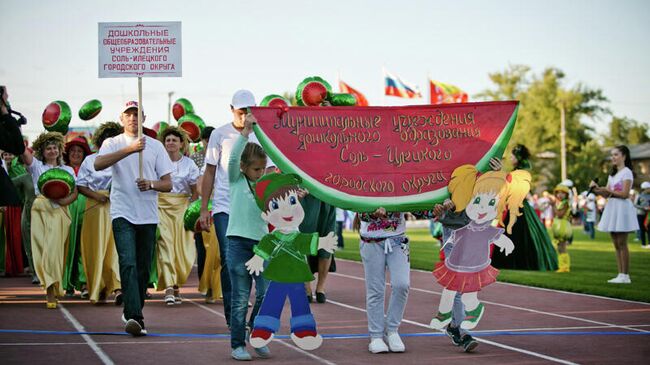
(192, 215)
(342, 99)
(160, 127)
(55, 183)
(181, 107)
(90, 109)
(56, 117)
(193, 125)
(274, 100)
(312, 91)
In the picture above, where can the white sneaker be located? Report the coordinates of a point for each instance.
(620, 280)
(395, 343)
(377, 346)
(124, 319)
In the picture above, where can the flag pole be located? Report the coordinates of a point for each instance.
(140, 124)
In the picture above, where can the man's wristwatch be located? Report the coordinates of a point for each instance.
(151, 184)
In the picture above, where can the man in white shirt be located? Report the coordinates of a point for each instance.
(134, 208)
(215, 179)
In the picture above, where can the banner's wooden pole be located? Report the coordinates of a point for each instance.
(140, 124)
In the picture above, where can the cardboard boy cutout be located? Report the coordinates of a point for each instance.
(467, 269)
(285, 250)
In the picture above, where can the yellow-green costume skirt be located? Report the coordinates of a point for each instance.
(98, 252)
(176, 251)
(50, 228)
(211, 276)
(562, 229)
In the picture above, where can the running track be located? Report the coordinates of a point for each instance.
(521, 325)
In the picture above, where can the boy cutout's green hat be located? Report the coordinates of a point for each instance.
(268, 184)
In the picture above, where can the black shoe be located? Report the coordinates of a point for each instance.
(454, 334)
(119, 298)
(320, 297)
(469, 343)
(35, 280)
(148, 295)
(310, 298)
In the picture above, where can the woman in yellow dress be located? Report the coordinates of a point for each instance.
(50, 218)
(98, 252)
(176, 251)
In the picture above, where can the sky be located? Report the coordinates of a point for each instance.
(50, 48)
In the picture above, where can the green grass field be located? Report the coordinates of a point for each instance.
(592, 264)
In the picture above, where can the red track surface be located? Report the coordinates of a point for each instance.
(508, 308)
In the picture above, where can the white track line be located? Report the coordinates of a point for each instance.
(93, 345)
(317, 358)
(513, 307)
(511, 348)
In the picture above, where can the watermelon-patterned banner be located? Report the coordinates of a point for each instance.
(399, 158)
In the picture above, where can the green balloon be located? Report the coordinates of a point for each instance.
(90, 109)
(192, 215)
(55, 183)
(181, 107)
(193, 125)
(342, 99)
(312, 91)
(56, 117)
(275, 100)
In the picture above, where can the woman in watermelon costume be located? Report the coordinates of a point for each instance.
(176, 251)
(74, 277)
(98, 253)
(50, 218)
(535, 250)
(467, 269)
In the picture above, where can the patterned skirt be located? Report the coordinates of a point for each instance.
(464, 282)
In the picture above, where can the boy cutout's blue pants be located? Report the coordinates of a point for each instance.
(268, 317)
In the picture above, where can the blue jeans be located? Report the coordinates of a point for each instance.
(134, 244)
(589, 229)
(220, 227)
(269, 316)
(240, 250)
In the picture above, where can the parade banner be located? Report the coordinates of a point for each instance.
(399, 158)
(140, 49)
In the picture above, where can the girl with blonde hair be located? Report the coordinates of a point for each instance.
(467, 269)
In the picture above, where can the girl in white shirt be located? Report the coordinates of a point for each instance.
(50, 218)
(619, 215)
(176, 251)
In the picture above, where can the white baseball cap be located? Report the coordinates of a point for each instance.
(645, 185)
(567, 183)
(242, 99)
(131, 105)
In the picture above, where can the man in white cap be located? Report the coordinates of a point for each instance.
(642, 205)
(134, 208)
(215, 179)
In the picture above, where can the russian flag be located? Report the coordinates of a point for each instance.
(345, 88)
(394, 86)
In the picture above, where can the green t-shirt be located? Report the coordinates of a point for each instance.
(285, 253)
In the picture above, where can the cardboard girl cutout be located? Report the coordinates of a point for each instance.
(287, 270)
(467, 269)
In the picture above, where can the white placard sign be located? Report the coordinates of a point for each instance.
(142, 49)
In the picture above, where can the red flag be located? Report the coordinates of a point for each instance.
(442, 93)
(345, 88)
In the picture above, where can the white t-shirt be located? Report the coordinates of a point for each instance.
(217, 154)
(91, 178)
(591, 211)
(37, 168)
(127, 201)
(615, 182)
(184, 174)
